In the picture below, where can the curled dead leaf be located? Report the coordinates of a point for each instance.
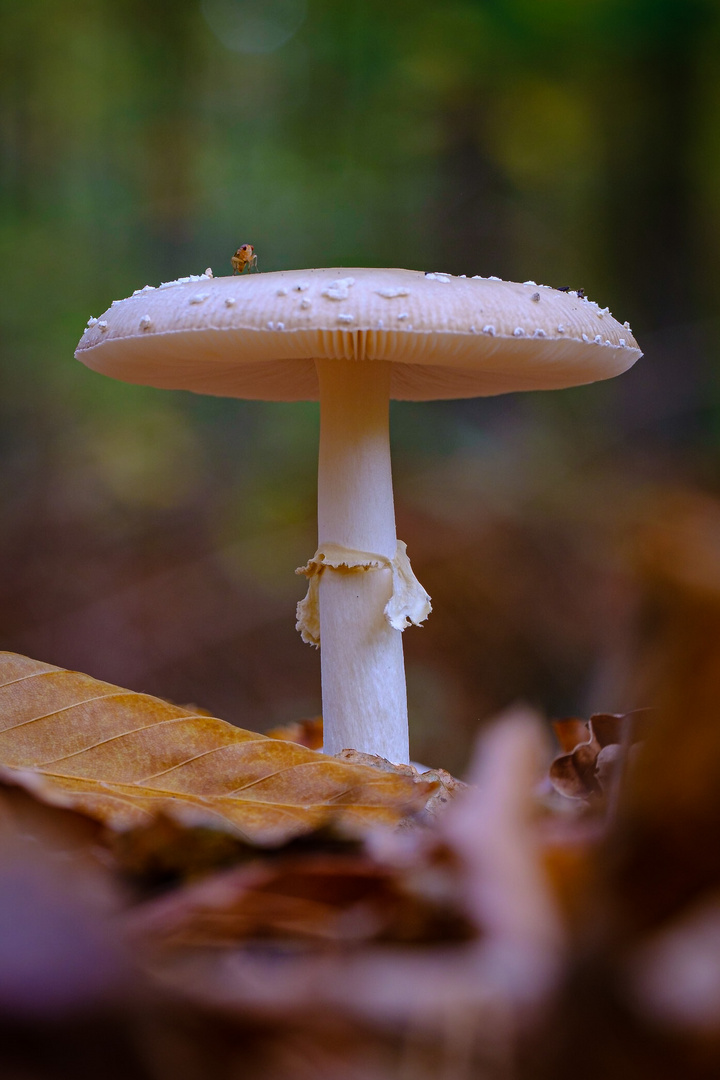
(594, 751)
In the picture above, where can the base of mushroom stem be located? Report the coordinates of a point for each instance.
(309, 733)
(363, 671)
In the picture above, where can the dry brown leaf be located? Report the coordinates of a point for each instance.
(124, 758)
(570, 733)
(309, 896)
(589, 763)
(446, 786)
(308, 732)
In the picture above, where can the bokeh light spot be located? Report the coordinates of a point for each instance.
(246, 26)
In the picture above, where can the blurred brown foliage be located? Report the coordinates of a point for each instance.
(513, 936)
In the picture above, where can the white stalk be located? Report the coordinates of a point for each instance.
(363, 675)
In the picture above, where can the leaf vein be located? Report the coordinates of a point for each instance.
(113, 738)
(197, 757)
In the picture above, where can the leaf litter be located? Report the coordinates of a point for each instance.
(582, 922)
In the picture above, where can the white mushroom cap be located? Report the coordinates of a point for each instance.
(258, 336)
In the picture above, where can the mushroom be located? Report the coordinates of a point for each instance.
(355, 338)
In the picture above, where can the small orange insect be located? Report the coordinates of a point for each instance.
(244, 258)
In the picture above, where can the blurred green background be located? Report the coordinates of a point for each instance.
(149, 537)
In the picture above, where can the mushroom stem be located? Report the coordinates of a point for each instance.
(363, 675)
